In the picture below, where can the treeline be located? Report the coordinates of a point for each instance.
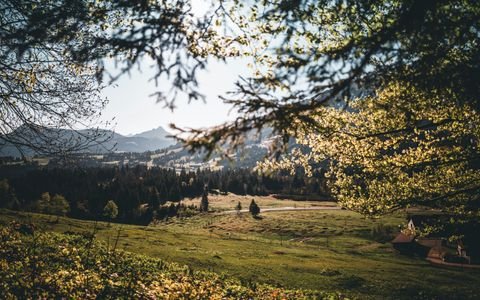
(138, 191)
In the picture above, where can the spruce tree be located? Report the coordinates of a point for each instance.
(238, 208)
(204, 201)
(254, 209)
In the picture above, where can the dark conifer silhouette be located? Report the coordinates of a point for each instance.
(253, 208)
(204, 201)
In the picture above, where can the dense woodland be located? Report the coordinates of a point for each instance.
(140, 193)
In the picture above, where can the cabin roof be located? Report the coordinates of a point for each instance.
(403, 238)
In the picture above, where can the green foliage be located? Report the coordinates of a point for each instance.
(141, 192)
(383, 233)
(52, 265)
(304, 259)
(308, 54)
(56, 205)
(8, 199)
(110, 210)
(59, 205)
(398, 148)
(253, 208)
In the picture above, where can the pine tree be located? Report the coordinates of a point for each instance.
(254, 209)
(238, 208)
(204, 201)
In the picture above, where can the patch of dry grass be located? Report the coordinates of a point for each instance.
(229, 202)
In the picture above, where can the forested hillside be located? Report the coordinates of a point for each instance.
(139, 192)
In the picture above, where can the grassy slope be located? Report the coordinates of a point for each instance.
(331, 250)
(50, 265)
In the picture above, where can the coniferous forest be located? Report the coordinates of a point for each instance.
(140, 192)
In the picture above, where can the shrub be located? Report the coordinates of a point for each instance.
(382, 233)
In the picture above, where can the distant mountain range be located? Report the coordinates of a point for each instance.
(150, 140)
(155, 139)
(145, 141)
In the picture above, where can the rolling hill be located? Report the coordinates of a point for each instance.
(108, 140)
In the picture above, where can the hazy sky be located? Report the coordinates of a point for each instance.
(135, 111)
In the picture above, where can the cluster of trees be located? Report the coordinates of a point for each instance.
(138, 192)
(53, 205)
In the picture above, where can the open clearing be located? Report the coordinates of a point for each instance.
(228, 202)
(314, 249)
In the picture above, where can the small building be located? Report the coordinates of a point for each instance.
(408, 242)
(437, 252)
(404, 243)
(435, 246)
(430, 242)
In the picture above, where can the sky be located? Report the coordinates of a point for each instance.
(136, 111)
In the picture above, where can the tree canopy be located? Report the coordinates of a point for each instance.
(253, 208)
(56, 205)
(110, 210)
(384, 93)
(53, 55)
(405, 132)
(307, 54)
(399, 148)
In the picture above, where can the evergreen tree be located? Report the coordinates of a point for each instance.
(204, 201)
(41, 204)
(254, 209)
(238, 208)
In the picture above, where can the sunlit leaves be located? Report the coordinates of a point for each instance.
(398, 148)
(50, 265)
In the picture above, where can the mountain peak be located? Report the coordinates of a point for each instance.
(156, 133)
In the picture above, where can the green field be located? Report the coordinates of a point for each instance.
(319, 250)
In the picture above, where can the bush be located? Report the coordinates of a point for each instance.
(455, 259)
(351, 282)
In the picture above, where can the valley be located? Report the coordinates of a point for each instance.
(324, 250)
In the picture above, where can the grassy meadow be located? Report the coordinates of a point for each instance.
(331, 250)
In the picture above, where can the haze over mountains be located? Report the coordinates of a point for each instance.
(150, 140)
